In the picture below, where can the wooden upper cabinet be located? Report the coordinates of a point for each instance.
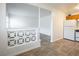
(72, 17)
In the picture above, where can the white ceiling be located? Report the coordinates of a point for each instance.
(65, 7)
(68, 8)
(30, 10)
(75, 10)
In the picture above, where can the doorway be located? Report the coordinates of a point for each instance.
(45, 26)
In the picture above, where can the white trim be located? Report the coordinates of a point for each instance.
(57, 39)
(51, 28)
(39, 22)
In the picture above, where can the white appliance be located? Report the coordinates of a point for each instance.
(69, 26)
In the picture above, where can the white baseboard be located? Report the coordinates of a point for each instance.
(57, 39)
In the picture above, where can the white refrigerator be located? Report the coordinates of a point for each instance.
(69, 26)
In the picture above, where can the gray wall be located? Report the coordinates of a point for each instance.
(45, 22)
(4, 49)
(23, 21)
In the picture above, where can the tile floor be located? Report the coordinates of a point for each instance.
(61, 47)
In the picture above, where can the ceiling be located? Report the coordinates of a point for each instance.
(32, 9)
(65, 7)
(75, 10)
(68, 8)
